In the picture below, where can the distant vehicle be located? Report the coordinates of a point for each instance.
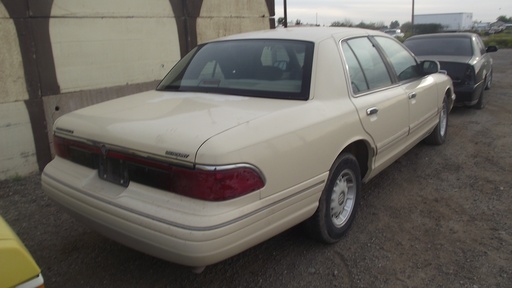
(496, 29)
(17, 267)
(394, 32)
(246, 137)
(464, 57)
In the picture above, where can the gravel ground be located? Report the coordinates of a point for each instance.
(441, 216)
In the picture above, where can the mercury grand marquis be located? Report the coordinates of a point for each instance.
(245, 137)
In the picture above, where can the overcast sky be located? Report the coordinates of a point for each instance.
(328, 11)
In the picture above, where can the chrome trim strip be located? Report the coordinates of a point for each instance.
(156, 157)
(150, 156)
(179, 225)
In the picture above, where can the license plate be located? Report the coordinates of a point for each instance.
(114, 170)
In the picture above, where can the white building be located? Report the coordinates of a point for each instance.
(450, 21)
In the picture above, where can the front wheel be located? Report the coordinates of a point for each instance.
(438, 135)
(339, 201)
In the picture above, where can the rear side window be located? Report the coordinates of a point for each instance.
(366, 68)
(254, 67)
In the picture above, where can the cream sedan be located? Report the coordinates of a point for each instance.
(246, 137)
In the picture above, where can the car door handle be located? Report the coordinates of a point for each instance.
(371, 111)
(412, 95)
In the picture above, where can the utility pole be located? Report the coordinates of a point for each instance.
(285, 22)
(412, 17)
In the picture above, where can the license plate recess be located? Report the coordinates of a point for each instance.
(114, 170)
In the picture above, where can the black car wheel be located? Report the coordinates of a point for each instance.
(339, 201)
(489, 82)
(481, 100)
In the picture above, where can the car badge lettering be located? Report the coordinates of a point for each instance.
(177, 154)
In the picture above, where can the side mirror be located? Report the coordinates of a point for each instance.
(491, 49)
(430, 67)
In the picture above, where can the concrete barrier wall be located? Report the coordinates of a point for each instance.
(12, 78)
(17, 150)
(98, 43)
(226, 17)
(57, 56)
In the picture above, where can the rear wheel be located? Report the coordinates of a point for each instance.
(481, 100)
(438, 135)
(339, 201)
(489, 82)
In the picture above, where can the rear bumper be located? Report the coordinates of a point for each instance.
(139, 217)
(468, 95)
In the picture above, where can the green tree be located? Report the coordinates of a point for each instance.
(427, 28)
(371, 25)
(280, 21)
(394, 24)
(504, 18)
(364, 25)
(406, 27)
(380, 25)
(345, 23)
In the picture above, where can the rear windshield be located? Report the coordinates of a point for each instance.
(258, 68)
(455, 46)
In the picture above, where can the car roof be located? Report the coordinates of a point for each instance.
(312, 34)
(443, 35)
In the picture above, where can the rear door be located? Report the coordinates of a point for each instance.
(383, 107)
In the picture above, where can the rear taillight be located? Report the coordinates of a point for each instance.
(469, 76)
(78, 152)
(216, 185)
(204, 182)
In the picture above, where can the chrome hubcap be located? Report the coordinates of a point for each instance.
(343, 198)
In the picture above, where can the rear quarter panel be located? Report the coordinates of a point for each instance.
(296, 144)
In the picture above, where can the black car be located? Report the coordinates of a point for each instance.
(464, 57)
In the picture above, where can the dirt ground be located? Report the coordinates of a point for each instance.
(441, 216)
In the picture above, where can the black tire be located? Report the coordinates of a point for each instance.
(489, 82)
(481, 100)
(438, 135)
(339, 201)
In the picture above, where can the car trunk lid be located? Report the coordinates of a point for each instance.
(455, 66)
(168, 124)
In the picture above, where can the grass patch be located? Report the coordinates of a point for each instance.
(502, 40)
